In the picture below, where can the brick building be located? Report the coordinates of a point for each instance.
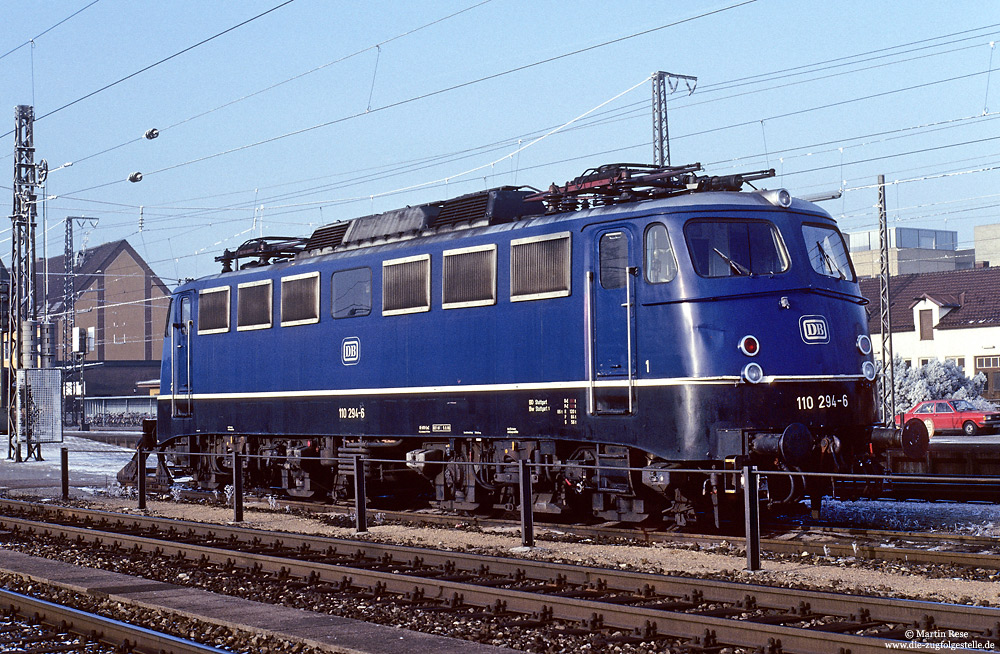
(116, 293)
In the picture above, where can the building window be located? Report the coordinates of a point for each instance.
(300, 299)
(924, 362)
(990, 367)
(661, 266)
(406, 285)
(926, 325)
(958, 361)
(987, 362)
(253, 305)
(213, 310)
(540, 267)
(351, 292)
(469, 277)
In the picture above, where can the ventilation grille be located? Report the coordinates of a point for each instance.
(406, 285)
(468, 277)
(329, 236)
(540, 267)
(464, 209)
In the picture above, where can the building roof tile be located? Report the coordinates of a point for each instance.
(973, 296)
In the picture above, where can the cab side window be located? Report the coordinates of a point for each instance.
(661, 265)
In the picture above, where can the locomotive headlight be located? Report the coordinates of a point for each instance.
(864, 344)
(749, 345)
(868, 370)
(753, 373)
(779, 197)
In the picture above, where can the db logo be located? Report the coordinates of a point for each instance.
(350, 351)
(814, 329)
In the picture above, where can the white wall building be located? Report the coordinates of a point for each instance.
(943, 315)
(911, 250)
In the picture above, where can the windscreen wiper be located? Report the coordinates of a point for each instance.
(738, 268)
(830, 262)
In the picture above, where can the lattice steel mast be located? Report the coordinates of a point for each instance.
(886, 385)
(23, 304)
(661, 134)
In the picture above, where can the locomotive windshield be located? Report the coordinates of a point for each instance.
(732, 248)
(827, 252)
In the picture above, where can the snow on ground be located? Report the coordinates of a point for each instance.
(952, 517)
(91, 463)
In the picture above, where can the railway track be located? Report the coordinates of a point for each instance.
(29, 624)
(630, 607)
(781, 539)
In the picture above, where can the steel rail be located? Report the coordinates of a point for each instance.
(106, 630)
(775, 545)
(952, 616)
(863, 550)
(739, 633)
(921, 614)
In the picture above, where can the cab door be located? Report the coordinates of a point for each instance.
(181, 327)
(611, 282)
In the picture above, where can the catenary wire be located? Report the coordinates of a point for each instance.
(157, 63)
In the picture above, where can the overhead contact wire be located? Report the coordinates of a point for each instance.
(155, 64)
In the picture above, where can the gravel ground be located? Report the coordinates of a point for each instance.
(937, 583)
(167, 623)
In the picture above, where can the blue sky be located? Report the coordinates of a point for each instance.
(297, 119)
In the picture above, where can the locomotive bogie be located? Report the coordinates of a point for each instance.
(700, 331)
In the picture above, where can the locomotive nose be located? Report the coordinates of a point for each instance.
(794, 446)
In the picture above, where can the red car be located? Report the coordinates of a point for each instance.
(942, 416)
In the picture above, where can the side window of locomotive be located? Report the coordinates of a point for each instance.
(469, 277)
(351, 292)
(732, 248)
(170, 319)
(613, 250)
(540, 267)
(300, 299)
(253, 305)
(406, 285)
(827, 251)
(661, 266)
(213, 310)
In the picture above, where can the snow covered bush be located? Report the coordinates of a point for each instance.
(935, 381)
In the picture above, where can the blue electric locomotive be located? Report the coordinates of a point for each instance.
(637, 317)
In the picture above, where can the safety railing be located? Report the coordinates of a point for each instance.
(748, 477)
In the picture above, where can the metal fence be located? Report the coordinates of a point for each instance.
(122, 412)
(748, 478)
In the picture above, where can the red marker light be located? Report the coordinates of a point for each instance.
(749, 346)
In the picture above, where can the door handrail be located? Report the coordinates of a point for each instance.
(629, 271)
(589, 326)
